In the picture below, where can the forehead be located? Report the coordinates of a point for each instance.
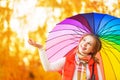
(90, 38)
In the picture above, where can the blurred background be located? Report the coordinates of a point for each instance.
(24, 19)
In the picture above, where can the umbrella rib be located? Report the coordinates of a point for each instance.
(105, 54)
(94, 23)
(78, 26)
(86, 27)
(108, 37)
(100, 31)
(112, 52)
(110, 29)
(76, 31)
(115, 56)
(113, 44)
(62, 41)
(114, 48)
(99, 24)
(109, 61)
(61, 36)
(113, 31)
(61, 49)
(68, 30)
(113, 37)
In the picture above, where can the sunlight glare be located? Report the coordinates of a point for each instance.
(3, 3)
(23, 7)
(59, 1)
(83, 8)
(26, 61)
(5, 25)
(110, 3)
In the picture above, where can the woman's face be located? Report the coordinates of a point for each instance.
(86, 45)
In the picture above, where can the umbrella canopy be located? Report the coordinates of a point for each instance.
(66, 34)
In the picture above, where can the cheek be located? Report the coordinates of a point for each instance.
(80, 44)
(79, 47)
(91, 49)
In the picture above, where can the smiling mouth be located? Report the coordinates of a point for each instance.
(83, 48)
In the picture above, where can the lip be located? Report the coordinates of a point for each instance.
(83, 48)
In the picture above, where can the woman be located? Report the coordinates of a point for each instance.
(80, 63)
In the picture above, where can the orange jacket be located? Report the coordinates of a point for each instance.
(70, 67)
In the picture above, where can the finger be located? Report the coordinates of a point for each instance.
(30, 41)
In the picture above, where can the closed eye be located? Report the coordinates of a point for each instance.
(84, 39)
(89, 43)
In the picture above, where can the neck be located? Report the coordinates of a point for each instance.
(81, 55)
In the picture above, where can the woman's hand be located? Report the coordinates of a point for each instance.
(33, 43)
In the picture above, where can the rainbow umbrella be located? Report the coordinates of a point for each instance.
(66, 34)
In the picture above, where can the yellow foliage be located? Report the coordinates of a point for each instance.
(23, 19)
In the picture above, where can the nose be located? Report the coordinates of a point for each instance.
(84, 44)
